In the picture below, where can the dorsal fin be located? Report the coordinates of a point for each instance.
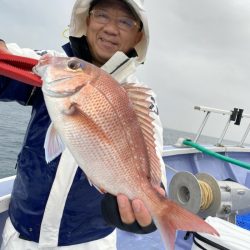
(142, 101)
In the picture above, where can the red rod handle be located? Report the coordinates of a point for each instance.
(19, 68)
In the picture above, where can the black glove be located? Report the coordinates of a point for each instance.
(111, 215)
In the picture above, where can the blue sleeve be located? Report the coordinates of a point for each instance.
(12, 90)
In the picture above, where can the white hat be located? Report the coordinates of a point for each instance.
(80, 12)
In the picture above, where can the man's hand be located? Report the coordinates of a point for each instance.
(3, 47)
(135, 210)
(126, 215)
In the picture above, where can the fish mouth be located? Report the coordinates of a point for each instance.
(60, 94)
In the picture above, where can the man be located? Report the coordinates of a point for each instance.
(98, 30)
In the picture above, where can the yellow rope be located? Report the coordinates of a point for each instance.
(206, 195)
(65, 33)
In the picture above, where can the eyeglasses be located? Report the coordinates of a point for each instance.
(122, 22)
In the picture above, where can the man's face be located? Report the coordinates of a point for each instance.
(105, 39)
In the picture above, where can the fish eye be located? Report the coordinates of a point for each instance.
(74, 64)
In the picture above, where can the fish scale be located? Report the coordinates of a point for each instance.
(111, 119)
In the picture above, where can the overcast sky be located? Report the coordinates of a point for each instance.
(199, 53)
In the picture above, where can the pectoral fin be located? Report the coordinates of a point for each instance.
(53, 144)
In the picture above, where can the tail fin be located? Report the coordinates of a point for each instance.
(173, 217)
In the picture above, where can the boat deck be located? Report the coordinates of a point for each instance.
(176, 159)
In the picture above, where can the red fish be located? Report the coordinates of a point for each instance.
(108, 129)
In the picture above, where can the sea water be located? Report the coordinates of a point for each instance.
(13, 122)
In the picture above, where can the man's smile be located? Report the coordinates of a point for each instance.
(107, 43)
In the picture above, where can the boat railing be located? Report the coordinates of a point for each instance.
(235, 115)
(4, 203)
(5, 192)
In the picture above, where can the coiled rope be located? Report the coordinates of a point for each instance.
(206, 195)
